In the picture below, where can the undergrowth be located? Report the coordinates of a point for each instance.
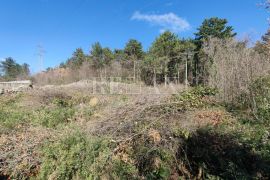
(80, 156)
(10, 113)
(197, 97)
(55, 110)
(233, 148)
(53, 116)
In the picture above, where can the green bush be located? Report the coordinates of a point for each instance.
(256, 102)
(58, 112)
(10, 113)
(203, 91)
(122, 170)
(153, 161)
(82, 157)
(194, 97)
(61, 102)
(10, 118)
(53, 116)
(261, 97)
(74, 156)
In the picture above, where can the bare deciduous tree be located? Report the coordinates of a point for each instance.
(233, 66)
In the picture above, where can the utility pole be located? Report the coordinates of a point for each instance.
(40, 53)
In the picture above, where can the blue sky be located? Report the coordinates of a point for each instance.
(61, 26)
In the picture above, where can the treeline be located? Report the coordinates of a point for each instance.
(11, 70)
(169, 58)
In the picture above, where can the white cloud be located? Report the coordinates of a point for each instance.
(169, 21)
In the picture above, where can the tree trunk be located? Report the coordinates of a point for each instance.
(165, 80)
(155, 78)
(134, 69)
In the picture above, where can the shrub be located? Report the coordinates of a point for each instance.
(256, 102)
(10, 118)
(74, 156)
(53, 116)
(83, 157)
(203, 91)
(260, 90)
(61, 102)
(194, 97)
(10, 114)
(123, 170)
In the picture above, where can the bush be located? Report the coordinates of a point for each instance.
(82, 157)
(74, 156)
(155, 163)
(10, 114)
(10, 118)
(194, 98)
(260, 90)
(203, 91)
(53, 116)
(123, 170)
(256, 102)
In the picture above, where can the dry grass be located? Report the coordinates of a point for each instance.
(145, 129)
(111, 113)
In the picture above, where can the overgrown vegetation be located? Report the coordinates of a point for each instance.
(10, 115)
(218, 129)
(56, 109)
(51, 117)
(260, 101)
(74, 156)
(153, 150)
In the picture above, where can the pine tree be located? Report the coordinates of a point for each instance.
(214, 27)
(210, 28)
(134, 52)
